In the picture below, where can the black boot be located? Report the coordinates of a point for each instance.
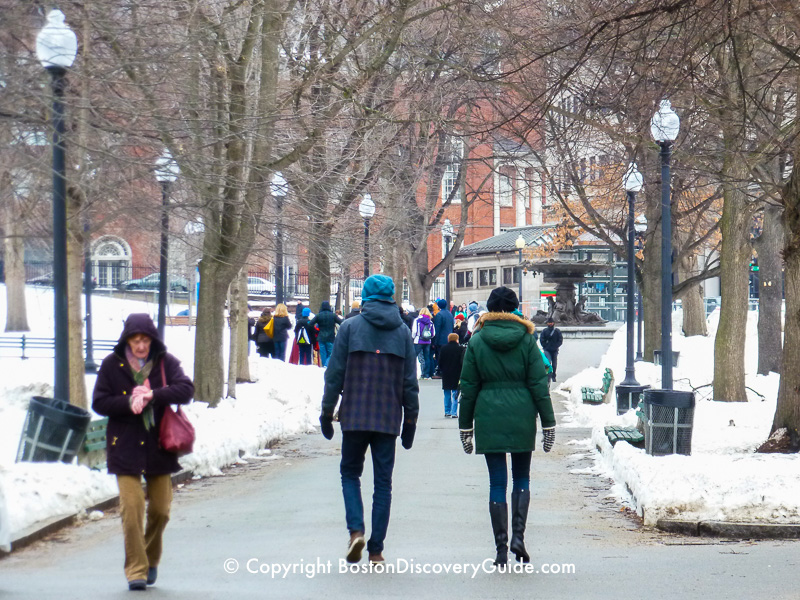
(499, 513)
(520, 501)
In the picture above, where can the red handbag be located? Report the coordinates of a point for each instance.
(176, 433)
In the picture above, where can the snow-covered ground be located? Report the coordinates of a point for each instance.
(723, 479)
(284, 401)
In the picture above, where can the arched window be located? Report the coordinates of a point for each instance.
(112, 261)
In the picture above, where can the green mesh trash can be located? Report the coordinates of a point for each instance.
(53, 431)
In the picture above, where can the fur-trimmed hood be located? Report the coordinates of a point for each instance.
(502, 331)
(504, 316)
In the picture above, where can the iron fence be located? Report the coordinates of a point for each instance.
(25, 347)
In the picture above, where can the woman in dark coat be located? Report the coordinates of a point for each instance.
(264, 342)
(135, 384)
(504, 387)
(280, 333)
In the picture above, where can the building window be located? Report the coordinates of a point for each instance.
(465, 279)
(451, 172)
(510, 275)
(487, 277)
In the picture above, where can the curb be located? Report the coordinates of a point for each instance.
(38, 531)
(726, 529)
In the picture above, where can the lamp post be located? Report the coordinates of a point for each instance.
(166, 173)
(56, 48)
(447, 236)
(633, 183)
(520, 244)
(641, 226)
(89, 366)
(366, 209)
(664, 127)
(279, 189)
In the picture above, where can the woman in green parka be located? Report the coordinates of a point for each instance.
(504, 386)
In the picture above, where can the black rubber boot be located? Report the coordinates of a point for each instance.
(499, 513)
(520, 501)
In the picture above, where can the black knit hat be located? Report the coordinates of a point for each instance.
(502, 299)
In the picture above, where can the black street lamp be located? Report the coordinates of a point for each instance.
(279, 190)
(633, 183)
(520, 244)
(664, 127)
(56, 48)
(447, 236)
(641, 226)
(166, 173)
(89, 366)
(367, 210)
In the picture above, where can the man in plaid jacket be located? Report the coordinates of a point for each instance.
(373, 367)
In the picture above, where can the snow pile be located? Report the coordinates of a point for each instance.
(723, 479)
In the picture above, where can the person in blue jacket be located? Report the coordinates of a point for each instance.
(444, 323)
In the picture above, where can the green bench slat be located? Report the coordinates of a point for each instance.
(626, 434)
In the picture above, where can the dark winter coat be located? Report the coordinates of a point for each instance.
(303, 323)
(504, 385)
(444, 322)
(353, 313)
(374, 368)
(463, 332)
(551, 339)
(130, 448)
(281, 328)
(451, 357)
(326, 320)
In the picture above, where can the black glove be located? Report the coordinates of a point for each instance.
(466, 439)
(326, 423)
(548, 438)
(407, 436)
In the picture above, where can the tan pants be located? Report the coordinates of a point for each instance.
(143, 546)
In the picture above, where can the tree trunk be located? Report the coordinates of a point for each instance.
(787, 412)
(734, 284)
(651, 275)
(239, 316)
(233, 338)
(14, 246)
(770, 291)
(77, 380)
(208, 359)
(694, 310)
(319, 266)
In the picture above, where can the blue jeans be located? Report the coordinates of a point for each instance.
(354, 450)
(498, 473)
(425, 359)
(451, 402)
(280, 350)
(304, 357)
(325, 350)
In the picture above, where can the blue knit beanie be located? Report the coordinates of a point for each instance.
(306, 311)
(473, 306)
(378, 287)
(441, 303)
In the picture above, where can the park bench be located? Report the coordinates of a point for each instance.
(178, 320)
(625, 434)
(93, 454)
(591, 395)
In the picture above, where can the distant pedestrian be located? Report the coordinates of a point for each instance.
(551, 340)
(355, 310)
(304, 338)
(135, 385)
(264, 342)
(451, 357)
(373, 369)
(443, 322)
(461, 329)
(422, 333)
(503, 390)
(473, 314)
(280, 331)
(327, 321)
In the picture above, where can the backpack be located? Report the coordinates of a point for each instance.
(426, 333)
(303, 337)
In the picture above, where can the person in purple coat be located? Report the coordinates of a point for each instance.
(135, 384)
